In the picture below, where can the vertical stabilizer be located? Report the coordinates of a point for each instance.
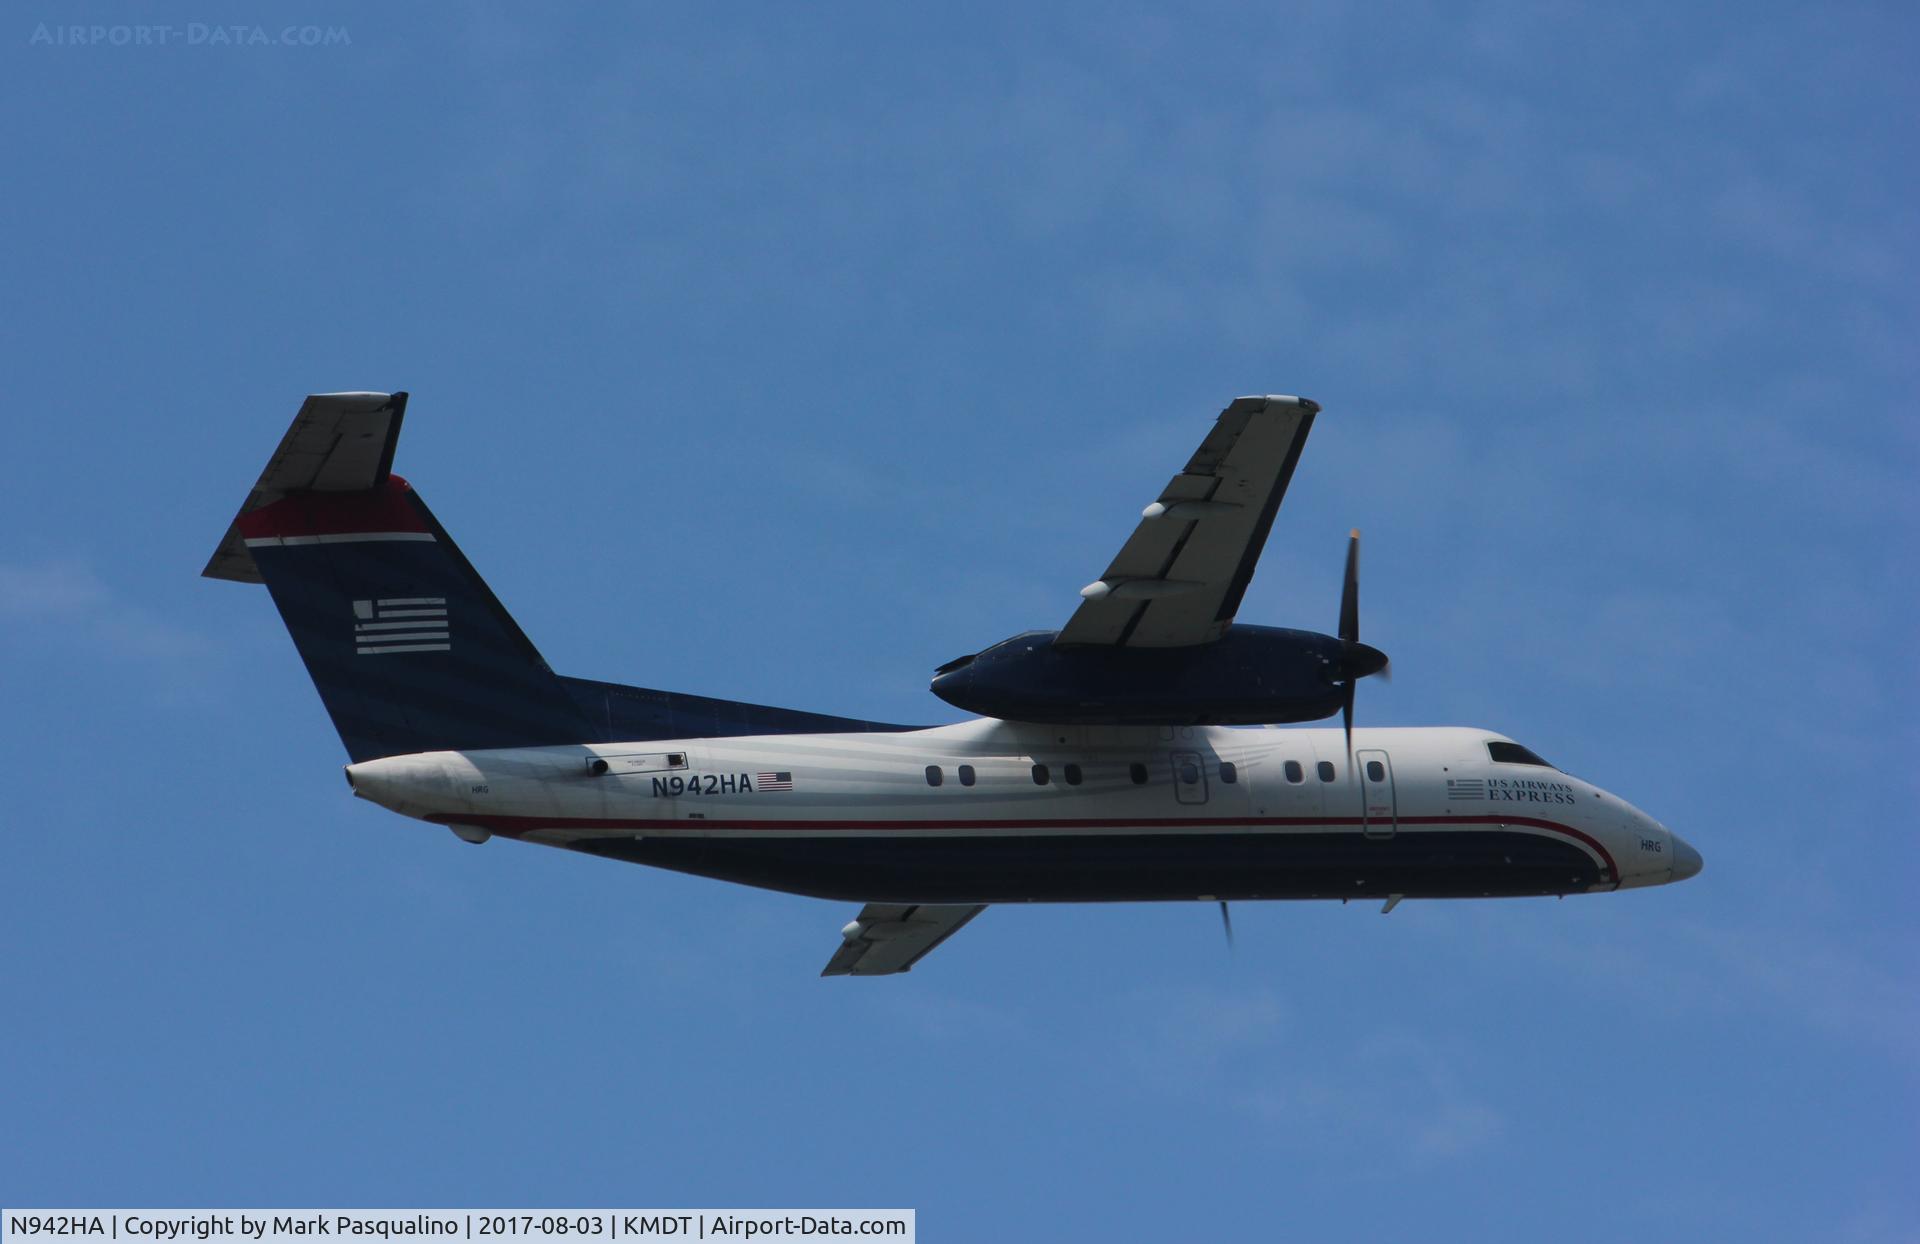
(408, 647)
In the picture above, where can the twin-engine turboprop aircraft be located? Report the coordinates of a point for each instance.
(1106, 765)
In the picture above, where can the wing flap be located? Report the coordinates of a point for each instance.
(886, 938)
(339, 442)
(1180, 577)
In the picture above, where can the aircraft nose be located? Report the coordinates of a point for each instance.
(1686, 860)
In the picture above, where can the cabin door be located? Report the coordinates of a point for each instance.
(1379, 811)
(1189, 777)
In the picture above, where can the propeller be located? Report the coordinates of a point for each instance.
(1357, 660)
(1226, 921)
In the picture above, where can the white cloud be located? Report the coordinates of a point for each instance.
(1798, 976)
(1388, 1092)
(1392, 1092)
(55, 591)
(951, 1018)
(1843, 993)
(64, 602)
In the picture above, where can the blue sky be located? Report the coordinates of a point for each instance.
(785, 352)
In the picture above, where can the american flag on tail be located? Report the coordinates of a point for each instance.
(400, 624)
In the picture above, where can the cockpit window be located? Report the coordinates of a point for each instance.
(1513, 754)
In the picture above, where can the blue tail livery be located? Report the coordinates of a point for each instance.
(408, 647)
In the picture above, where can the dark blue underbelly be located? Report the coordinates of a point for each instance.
(1126, 867)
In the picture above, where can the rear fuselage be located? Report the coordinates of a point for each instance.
(991, 812)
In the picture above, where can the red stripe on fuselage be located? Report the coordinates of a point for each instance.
(515, 826)
(386, 508)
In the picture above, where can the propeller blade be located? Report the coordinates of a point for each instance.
(1350, 590)
(1346, 717)
(1226, 921)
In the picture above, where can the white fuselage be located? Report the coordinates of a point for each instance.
(994, 811)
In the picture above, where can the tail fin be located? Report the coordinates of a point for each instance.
(408, 647)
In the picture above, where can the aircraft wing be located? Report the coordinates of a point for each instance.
(891, 937)
(1178, 581)
(339, 442)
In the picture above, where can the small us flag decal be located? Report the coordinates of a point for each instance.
(773, 781)
(1466, 788)
(400, 624)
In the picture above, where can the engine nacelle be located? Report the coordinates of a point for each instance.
(1252, 675)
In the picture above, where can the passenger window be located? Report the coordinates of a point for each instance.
(1138, 772)
(1376, 772)
(966, 775)
(933, 775)
(1326, 771)
(1189, 773)
(1229, 772)
(1295, 773)
(1073, 775)
(1040, 777)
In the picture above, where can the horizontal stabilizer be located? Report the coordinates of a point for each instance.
(339, 442)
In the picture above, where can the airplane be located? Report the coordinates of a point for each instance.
(1132, 755)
